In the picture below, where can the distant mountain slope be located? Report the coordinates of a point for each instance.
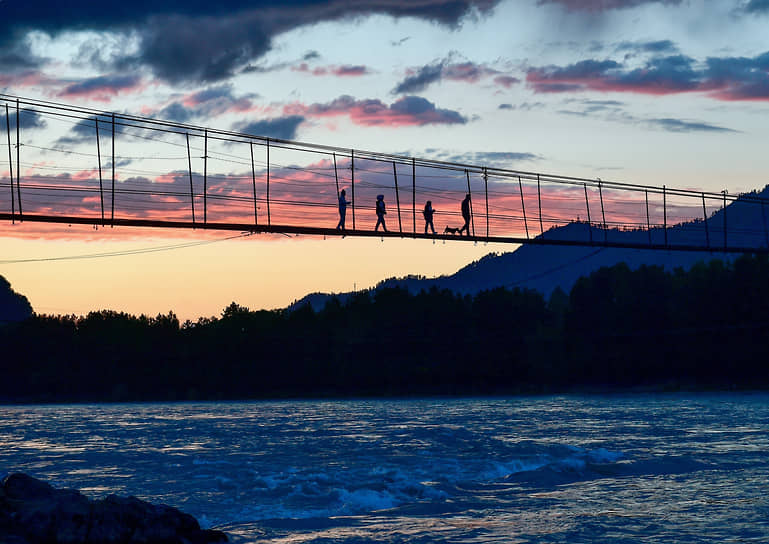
(545, 267)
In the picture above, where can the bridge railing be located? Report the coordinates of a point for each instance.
(60, 162)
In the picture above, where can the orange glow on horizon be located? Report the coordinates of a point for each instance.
(258, 272)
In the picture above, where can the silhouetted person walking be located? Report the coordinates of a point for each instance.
(428, 213)
(466, 215)
(380, 213)
(342, 210)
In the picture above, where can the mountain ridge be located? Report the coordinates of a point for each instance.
(546, 267)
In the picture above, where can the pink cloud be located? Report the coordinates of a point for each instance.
(103, 88)
(406, 111)
(306, 196)
(83, 175)
(205, 103)
(506, 81)
(467, 71)
(28, 79)
(729, 78)
(170, 177)
(350, 70)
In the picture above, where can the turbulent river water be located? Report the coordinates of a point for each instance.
(678, 468)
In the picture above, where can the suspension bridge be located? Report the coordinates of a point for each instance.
(73, 165)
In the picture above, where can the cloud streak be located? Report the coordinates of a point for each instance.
(206, 103)
(406, 111)
(724, 78)
(500, 159)
(347, 70)
(603, 5)
(419, 79)
(613, 110)
(679, 125)
(103, 88)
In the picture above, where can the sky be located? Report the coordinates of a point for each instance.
(658, 92)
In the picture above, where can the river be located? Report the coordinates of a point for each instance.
(673, 468)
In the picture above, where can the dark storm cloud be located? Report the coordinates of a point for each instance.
(208, 41)
(180, 48)
(54, 16)
(283, 128)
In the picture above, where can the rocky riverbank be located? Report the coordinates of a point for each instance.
(33, 512)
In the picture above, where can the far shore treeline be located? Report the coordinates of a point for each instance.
(616, 330)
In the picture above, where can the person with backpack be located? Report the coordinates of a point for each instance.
(428, 213)
(380, 213)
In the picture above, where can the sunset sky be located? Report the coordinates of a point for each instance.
(639, 91)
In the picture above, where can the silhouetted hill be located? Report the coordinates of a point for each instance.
(616, 329)
(543, 268)
(13, 306)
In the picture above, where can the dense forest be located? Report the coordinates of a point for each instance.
(618, 329)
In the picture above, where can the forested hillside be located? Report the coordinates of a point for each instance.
(618, 328)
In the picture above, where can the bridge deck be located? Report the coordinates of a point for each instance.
(332, 232)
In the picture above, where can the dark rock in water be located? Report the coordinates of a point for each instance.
(33, 512)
